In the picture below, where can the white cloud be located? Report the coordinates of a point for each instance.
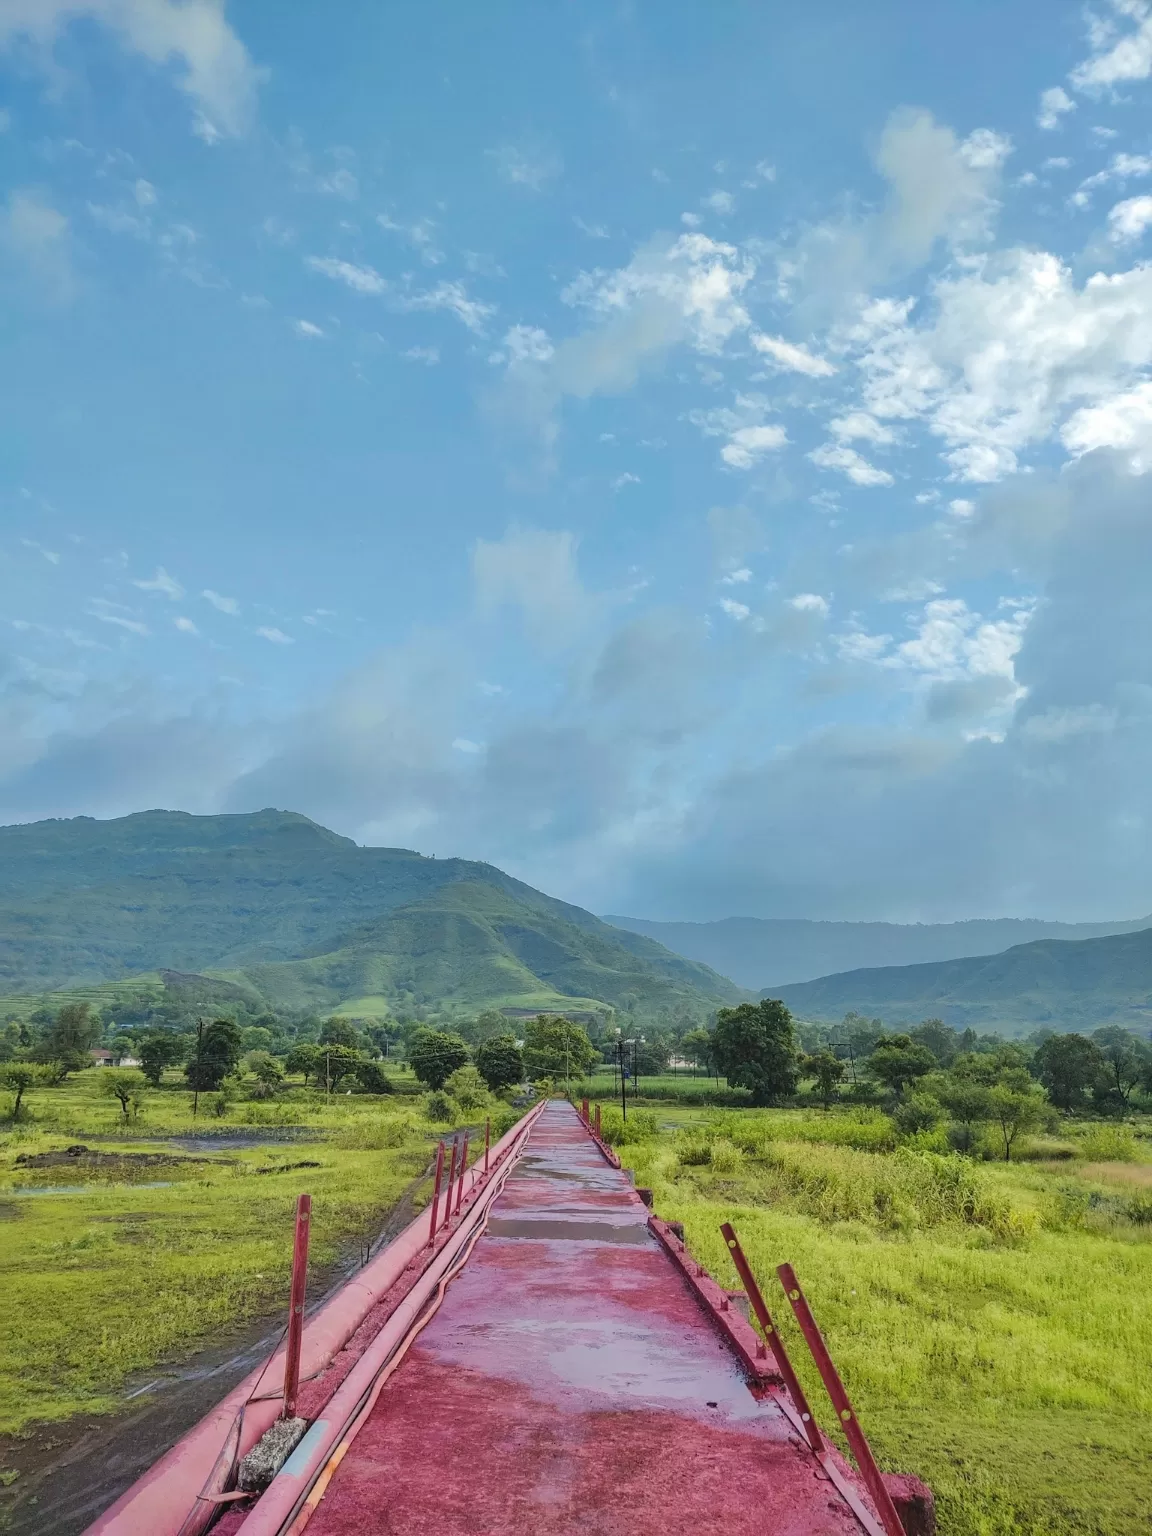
(720, 202)
(419, 234)
(161, 582)
(306, 328)
(859, 426)
(453, 298)
(735, 610)
(749, 436)
(534, 571)
(1116, 59)
(1054, 103)
(1128, 220)
(525, 344)
(221, 603)
(1120, 169)
(469, 748)
(37, 235)
(792, 356)
(627, 478)
(217, 73)
(100, 609)
(340, 182)
(49, 554)
(359, 279)
(847, 461)
(145, 193)
(738, 577)
(809, 602)
(277, 636)
(526, 165)
(1123, 421)
(1005, 349)
(426, 355)
(747, 445)
(185, 626)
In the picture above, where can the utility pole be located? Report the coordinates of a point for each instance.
(196, 1078)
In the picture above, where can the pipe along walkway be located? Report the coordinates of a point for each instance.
(570, 1381)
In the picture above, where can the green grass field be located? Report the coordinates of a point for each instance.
(102, 1282)
(992, 1322)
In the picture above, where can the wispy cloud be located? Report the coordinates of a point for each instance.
(277, 636)
(220, 602)
(161, 582)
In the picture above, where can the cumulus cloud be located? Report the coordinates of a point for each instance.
(1128, 220)
(1055, 103)
(219, 602)
(1118, 56)
(216, 70)
(846, 461)
(792, 356)
(748, 435)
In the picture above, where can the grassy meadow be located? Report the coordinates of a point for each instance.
(145, 1263)
(991, 1320)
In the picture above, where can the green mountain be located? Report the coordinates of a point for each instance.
(277, 906)
(780, 951)
(1061, 984)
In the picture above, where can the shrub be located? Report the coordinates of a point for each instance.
(372, 1078)
(1108, 1144)
(917, 1113)
(467, 1087)
(724, 1157)
(693, 1150)
(439, 1107)
(639, 1126)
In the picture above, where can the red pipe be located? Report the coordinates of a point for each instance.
(296, 1305)
(171, 1497)
(451, 1180)
(844, 1410)
(436, 1193)
(463, 1171)
(775, 1342)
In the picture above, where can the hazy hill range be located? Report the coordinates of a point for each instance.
(305, 917)
(774, 952)
(1060, 984)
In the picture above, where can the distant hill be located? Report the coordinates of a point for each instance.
(1060, 984)
(274, 902)
(773, 952)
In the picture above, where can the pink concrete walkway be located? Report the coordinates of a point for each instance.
(571, 1383)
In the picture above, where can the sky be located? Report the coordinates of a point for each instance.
(693, 457)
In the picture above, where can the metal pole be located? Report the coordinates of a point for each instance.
(844, 1410)
(775, 1342)
(598, 1120)
(451, 1177)
(623, 1070)
(296, 1306)
(584, 1112)
(487, 1141)
(436, 1192)
(463, 1171)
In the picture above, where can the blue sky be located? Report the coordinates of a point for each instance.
(693, 457)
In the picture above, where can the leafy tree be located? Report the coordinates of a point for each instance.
(917, 1112)
(861, 1033)
(652, 1055)
(898, 1061)
(267, 1071)
(754, 1046)
(485, 1027)
(943, 1042)
(499, 1062)
(1017, 1106)
(18, 1077)
(159, 1051)
(382, 1036)
(1068, 1066)
(255, 1038)
(122, 1045)
(126, 1086)
(216, 1057)
(70, 1037)
(697, 1047)
(435, 1055)
(556, 1047)
(305, 1058)
(467, 1087)
(336, 1062)
(1125, 1058)
(826, 1071)
(340, 1032)
(372, 1077)
(969, 1104)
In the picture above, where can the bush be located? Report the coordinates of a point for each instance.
(917, 1113)
(439, 1108)
(467, 1087)
(724, 1157)
(374, 1135)
(693, 1150)
(372, 1078)
(639, 1126)
(1108, 1144)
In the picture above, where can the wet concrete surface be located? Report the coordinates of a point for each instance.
(571, 1383)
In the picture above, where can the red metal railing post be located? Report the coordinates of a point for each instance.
(584, 1115)
(487, 1142)
(463, 1171)
(436, 1193)
(598, 1120)
(840, 1401)
(296, 1305)
(775, 1342)
(451, 1180)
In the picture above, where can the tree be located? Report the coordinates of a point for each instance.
(697, 1047)
(1124, 1058)
(969, 1104)
(256, 1038)
(754, 1046)
(340, 1032)
(943, 1042)
(126, 1086)
(159, 1051)
(70, 1037)
(1017, 1105)
(372, 1077)
(556, 1047)
(1068, 1066)
(305, 1058)
(434, 1056)
(918, 1112)
(499, 1062)
(467, 1087)
(18, 1077)
(898, 1061)
(826, 1071)
(217, 1054)
(337, 1062)
(266, 1070)
(122, 1045)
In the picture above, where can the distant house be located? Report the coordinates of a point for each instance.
(101, 1058)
